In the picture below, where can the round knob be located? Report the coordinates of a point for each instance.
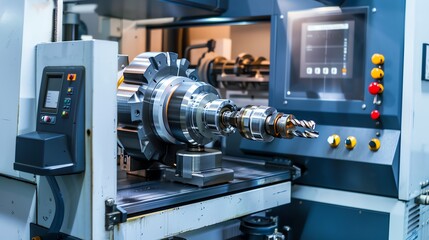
(377, 59)
(375, 114)
(375, 88)
(374, 144)
(350, 142)
(377, 73)
(334, 140)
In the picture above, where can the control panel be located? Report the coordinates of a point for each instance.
(340, 75)
(57, 145)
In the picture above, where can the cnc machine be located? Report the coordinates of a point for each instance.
(100, 147)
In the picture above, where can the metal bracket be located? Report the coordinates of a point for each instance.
(114, 214)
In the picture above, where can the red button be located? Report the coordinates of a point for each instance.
(375, 88)
(375, 114)
(71, 77)
(46, 119)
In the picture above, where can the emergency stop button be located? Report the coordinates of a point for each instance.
(71, 77)
(350, 142)
(46, 119)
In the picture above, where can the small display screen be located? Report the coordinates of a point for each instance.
(53, 90)
(327, 49)
(327, 57)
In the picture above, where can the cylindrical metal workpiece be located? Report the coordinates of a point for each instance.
(185, 112)
(212, 116)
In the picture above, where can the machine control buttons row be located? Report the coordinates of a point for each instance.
(334, 141)
(48, 119)
(67, 101)
(66, 107)
(324, 71)
(376, 88)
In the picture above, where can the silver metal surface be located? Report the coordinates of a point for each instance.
(58, 21)
(189, 162)
(139, 197)
(211, 114)
(173, 220)
(201, 168)
(203, 179)
(126, 96)
(162, 102)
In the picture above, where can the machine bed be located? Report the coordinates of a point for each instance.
(137, 196)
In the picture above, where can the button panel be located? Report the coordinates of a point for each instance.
(376, 88)
(61, 122)
(66, 107)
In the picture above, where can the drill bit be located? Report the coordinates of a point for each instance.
(305, 134)
(303, 123)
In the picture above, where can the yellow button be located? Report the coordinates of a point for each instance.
(334, 140)
(377, 73)
(377, 59)
(374, 144)
(350, 142)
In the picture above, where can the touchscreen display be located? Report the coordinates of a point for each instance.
(327, 49)
(53, 92)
